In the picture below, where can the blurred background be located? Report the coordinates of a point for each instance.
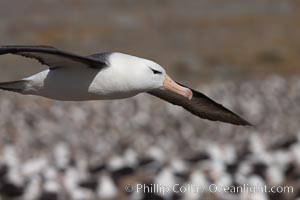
(242, 53)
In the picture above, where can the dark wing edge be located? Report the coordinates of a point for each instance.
(201, 106)
(43, 52)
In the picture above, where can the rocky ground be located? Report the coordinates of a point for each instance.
(94, 150)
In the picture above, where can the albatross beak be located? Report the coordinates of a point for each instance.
(171, 85)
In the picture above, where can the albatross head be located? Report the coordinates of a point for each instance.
(146, 75)
(155, 77)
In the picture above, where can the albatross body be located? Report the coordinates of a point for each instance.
(114, 81)
(107, 76)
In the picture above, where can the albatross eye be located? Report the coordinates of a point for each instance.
(155, 71)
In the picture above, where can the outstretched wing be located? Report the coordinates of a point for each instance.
(202, 106)
(52, 57)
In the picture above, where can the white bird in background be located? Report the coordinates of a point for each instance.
(109, 76)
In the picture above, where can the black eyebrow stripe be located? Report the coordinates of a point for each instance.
(155, 71)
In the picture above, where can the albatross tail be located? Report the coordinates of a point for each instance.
(14, 86)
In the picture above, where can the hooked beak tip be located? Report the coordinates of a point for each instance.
(189, 94)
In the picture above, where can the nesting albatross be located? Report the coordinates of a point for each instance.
(109, 76)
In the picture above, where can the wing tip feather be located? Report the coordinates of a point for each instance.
(222, 115)
(243, 122)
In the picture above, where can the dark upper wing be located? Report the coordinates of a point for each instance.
(202, 106)
(52, 57)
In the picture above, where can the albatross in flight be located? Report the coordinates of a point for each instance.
(109, 76)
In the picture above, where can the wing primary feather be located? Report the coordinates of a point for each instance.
(52, 57)
(201, 106)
